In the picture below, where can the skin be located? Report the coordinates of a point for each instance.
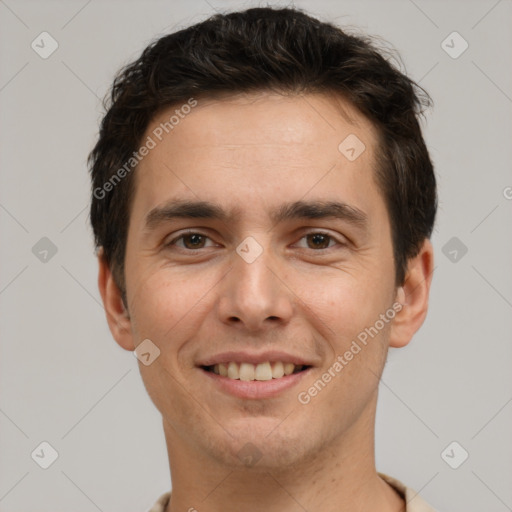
(256, 152)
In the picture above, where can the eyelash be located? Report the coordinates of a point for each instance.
(193, 251)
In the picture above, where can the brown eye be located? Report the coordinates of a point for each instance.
(191, 241)
(318, 240)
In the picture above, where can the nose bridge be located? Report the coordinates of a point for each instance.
(252, 293)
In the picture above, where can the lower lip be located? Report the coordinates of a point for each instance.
(256, 389)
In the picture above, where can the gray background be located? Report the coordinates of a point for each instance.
(65, 381)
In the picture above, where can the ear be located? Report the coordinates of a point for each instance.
(118, 317)
(413, 295)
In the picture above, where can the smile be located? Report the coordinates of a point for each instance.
(250, 372)
(259, 381)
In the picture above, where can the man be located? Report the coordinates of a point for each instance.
(262, 205)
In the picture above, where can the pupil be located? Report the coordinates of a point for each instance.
(194, 239)
(320, 240)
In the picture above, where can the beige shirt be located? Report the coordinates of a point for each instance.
(413, 501)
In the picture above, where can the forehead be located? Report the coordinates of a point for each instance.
(265, 118)
(261, 145)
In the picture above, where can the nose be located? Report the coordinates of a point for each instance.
(254, 295)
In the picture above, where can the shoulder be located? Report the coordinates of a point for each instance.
(414, 502)
(161, 504)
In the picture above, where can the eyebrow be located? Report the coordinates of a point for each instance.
(291, 211)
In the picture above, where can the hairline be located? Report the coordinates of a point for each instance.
(337, 97)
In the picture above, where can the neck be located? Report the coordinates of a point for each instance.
(339, 476)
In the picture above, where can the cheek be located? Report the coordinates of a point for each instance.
(168, 309)
(343, 304)
(156, 310)
(167, 305)
(344, 309)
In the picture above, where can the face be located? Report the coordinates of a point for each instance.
(255, 238)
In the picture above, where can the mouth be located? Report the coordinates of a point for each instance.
(259, 381)
(249, 375)
(269, 370)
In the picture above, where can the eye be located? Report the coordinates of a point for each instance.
(194, 241)
(190, 241)
(319, 240)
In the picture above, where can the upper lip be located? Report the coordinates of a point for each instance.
(254, 358)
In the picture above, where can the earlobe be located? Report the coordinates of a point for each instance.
(413, 295)
(118, 317)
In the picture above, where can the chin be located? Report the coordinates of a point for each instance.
(262, 444)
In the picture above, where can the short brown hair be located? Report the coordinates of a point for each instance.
(267, 49)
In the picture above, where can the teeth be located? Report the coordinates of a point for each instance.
(277, 370)
(233, 371)
(288, 368)
(247, 371)
(261, 371)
